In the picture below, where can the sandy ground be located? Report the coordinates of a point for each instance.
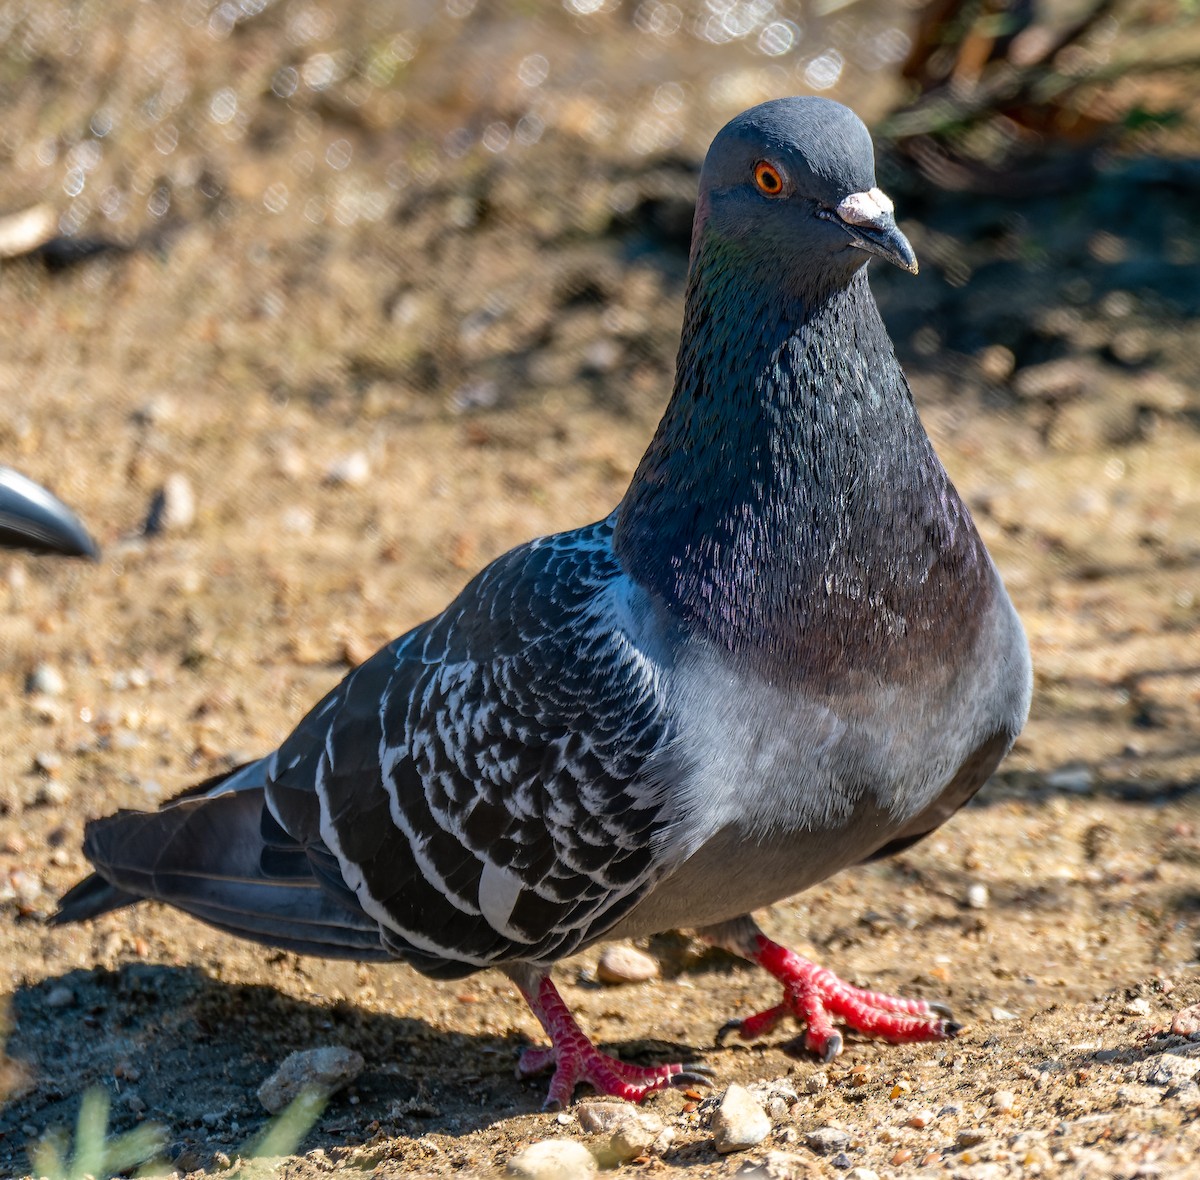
(368, 407)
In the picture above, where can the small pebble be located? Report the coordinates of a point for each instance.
(351, 470)
(921, 1119)
(1138, 1006)
(52, 793)
(46, 680)
(628, 1131)
(841, 1160)
(298, 520)
(862, 1174)
(46, 709)
(1187, 1021)
(326, 1069)
(26, 887)
(622, 963)
(977, 896)
(60, 996)
(996, 362)
(173, 507)
(739, 1121)
(27, 229)
(1003, 1100)
(969, 1137)
(815, 1083)
(779, 1165)
(827, 1140)
(48, 762)
(552, 1159)
(1004, 1014)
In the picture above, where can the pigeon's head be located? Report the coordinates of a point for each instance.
(792, 183)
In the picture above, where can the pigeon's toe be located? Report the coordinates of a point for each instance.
(817, 997)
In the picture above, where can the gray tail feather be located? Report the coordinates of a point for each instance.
(205, 856)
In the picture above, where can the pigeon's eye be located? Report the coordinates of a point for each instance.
(767, 177)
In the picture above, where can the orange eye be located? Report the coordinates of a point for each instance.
(767, 177)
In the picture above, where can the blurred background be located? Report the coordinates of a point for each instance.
(312, 308)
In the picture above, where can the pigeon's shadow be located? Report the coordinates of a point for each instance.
(174, 1046)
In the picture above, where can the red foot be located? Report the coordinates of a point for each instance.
(814, 995)
(577, 1060)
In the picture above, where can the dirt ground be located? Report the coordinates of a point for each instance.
(378, 357)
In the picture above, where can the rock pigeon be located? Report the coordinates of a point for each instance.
(785, 651)
(33, 518)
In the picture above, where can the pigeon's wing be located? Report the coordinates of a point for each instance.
(491, 786)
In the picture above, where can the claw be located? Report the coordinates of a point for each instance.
(833, 1048)
(939, 1009)
(727, 1029)
(690, 1077)
(952, 1028)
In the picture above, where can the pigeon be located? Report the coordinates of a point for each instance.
(785, 652)
(34, 519)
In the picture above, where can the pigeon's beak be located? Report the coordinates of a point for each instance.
(32, 518)
(868, 217)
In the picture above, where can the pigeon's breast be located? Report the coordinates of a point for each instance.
(793, 784)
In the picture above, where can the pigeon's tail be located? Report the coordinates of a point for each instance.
(222, 858)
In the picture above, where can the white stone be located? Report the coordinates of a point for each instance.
(553, 1159)
(352, 470)
(173, 509)
(47, 680)
(739, 1121)
(622, 963)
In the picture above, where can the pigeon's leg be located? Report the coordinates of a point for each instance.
(576, 1059)
(816, 996)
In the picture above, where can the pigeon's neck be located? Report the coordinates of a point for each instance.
(790, 506)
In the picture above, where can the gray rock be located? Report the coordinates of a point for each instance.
(827, 1140)
(552, 1159)
(60, 996)
(1168, 1069)
(324, 1070)
(739, 1121)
